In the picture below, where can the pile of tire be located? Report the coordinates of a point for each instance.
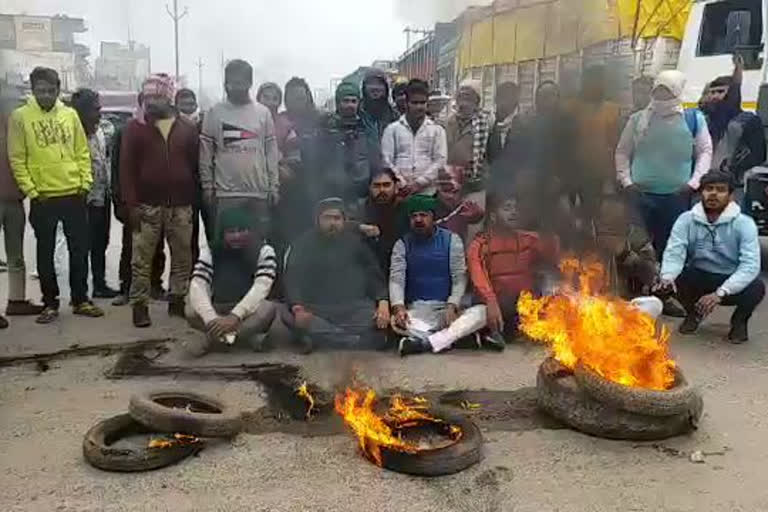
(587, 402)
(159, 412)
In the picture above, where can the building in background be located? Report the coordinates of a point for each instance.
(122, 67)
(422, 58)
(30, 41)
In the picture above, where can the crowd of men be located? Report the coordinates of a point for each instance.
(403, 218)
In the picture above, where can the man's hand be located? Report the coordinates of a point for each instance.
(222, 326)
(401, 317)
(738, 60)
(405, 190)
(451, 314)
(707, 304)
(301, 316)
(370, 230)
(382, 315)
(286, 172)
(664, 286)
(495, 318)
(631, 188)
(274, 198)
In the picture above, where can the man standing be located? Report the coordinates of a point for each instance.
(186, 104)
(230, 283)
(713, 258)
(436, 106)
(507, 101)
(49, 156)
(375, 111)
(12, 224)
(415, 147)
(88, 106)
(467, 132)
(345, 155)
(158, 170)
(427, 281)
(238, 149)
(335, 287)
(399, 96)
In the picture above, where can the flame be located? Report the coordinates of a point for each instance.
(609, 335)
(374, 431)
(303, 392)
(177, 439)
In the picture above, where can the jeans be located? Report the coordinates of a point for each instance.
(694, 284)
(44, 216)
(659, 213)
(343, 326)
(175, 224)
(12, 223)
(99, 221)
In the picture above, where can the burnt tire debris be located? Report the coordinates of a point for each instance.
(99, 451)
(186, 412)
(561, 396)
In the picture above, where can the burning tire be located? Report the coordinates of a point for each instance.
(679, 399)
(99, 453)
(186, 412)
(561, 396)
(458, 456)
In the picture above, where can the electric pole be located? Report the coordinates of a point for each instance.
(199, 78)
(176, 17)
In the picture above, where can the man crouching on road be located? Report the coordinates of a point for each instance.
(230, 284)
(427, 280)
(713, 258)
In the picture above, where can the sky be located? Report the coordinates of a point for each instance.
(320, 40)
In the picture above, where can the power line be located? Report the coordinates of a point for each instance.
(176, 17)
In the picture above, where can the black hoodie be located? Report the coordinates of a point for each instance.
(376, 115)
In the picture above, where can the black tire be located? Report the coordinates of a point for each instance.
(165, 411)
(442, 461)
(99, 453)
(560, 396)
(677, 400)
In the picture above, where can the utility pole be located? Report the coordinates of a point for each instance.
(200, 77)
(176, 17)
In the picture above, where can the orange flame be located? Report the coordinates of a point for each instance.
(609, 335)
(175, 440)
(303, 392)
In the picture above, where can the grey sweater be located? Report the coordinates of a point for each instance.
(238, 152)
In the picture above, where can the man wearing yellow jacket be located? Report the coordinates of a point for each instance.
(51, 162)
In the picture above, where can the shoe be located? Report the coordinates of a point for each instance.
(49, 315)
(176, 307)
(158, 293)
(671, 308)
(495, 341)
(690, 325)
(105, 292)
(410, 345)
(120, 300)
(23, 308)
(738, 333)
(141, 316)
(88, 309)
(3, 322)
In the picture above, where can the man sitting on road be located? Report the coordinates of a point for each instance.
(427, 280)
(713, 258)
(335, 286)
(502, 263)
(230, 284)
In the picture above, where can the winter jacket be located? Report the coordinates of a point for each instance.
(9, 191)
(157, 172)
(376, 118)
(238, 152)
(729, 246)
(417, 157)
(48, 151)
(99, 194)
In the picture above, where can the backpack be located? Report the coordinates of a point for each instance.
(692, 120)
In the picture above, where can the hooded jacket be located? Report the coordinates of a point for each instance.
(376, 116)
(49, 151)
(728, 246)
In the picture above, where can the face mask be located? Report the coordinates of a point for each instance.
(194, 117)
(665, 107)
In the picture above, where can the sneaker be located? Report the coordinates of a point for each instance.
(141, 316)
(690, 325)
(49, 315)
(671, 308)
(410, 345)
(88, 309)
(176, 307)
(120, 300)
(158, 293)
(738, 333)
(494, 341)
(23, 308)
(3, 322)
(105, 292)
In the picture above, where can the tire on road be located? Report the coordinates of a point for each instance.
(99, 452)
(448, 460)
(677, 400)
(185, 412)
(560, 396)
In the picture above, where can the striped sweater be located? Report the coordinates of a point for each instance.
(201, 286)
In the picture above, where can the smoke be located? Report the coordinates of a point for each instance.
(427, 12)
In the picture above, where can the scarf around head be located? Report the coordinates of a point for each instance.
(672, 80)
(159, 84)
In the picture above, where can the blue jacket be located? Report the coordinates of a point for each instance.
(729, 246)
(428, 275)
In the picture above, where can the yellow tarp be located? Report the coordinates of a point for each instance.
(665, 18)
(505, 31)
(481, 50)
(531, 24)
